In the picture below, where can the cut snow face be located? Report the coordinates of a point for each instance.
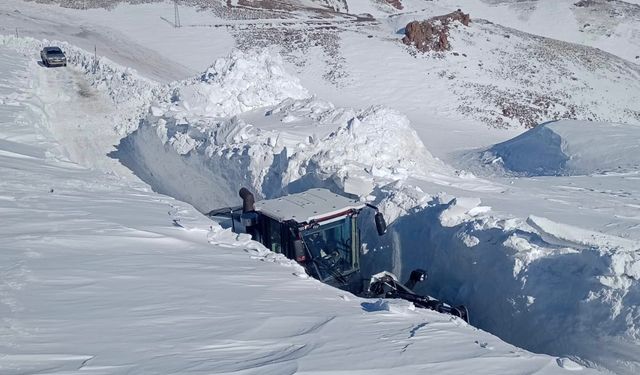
(189, 141)
(569, 148)
(541, 284)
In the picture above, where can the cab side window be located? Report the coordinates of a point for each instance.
(275, 240)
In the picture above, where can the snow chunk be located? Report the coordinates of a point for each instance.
(460, 210)
(564, 234)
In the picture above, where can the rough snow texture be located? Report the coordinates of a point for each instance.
(239, 83)
(457, 240)
(275, 160)
(564, 289)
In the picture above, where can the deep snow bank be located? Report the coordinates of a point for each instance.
(236, 84)
(102, 276)
(194, 143)
(569, 147)
(542, 285)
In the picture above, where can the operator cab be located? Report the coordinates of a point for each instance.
(317, 228)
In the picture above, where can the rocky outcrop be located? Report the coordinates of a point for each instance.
(433, 34)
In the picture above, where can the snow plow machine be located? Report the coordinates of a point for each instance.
(320, 230)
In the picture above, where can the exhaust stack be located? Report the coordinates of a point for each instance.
(248, 200)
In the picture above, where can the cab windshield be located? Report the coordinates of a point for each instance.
(331, 248)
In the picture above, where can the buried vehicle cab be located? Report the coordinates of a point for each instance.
(317, 228)
(53, 56)
(320, 230)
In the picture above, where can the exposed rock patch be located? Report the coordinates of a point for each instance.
(396, 4)
(433, 34)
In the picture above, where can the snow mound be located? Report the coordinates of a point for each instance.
(186, 146)
(569, 147)
(241, 82)
(186, 158)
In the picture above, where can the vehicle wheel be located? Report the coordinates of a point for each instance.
(65, 64)
(46, 63)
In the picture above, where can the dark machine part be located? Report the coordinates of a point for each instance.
(249, 217)
(248, 200)
(327, 245)
(385, 285)
(381, 224)
(417, 276)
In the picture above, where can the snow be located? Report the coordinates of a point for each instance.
(101, 274)
(238, 152)
(568, 148)
(611, 26)
(535, 233)
(239, 83)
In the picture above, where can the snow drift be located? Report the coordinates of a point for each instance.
(569, 147)
(195, 141)
(101, 275)
(543, 285)
(239, 83)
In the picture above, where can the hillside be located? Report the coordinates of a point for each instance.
(505, 165)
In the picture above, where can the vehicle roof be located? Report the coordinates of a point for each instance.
(307, 206)
(47, 49)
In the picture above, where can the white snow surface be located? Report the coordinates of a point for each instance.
(239, 83)
(102, 275)
(547, 261)
(569, 147)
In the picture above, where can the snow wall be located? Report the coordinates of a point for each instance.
(564, 297)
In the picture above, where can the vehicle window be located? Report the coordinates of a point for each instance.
(330, 247)
(274, 236)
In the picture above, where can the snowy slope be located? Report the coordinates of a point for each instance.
(612, 26)
(495, 75)
(546, 262)
(568, 148)
(100, 274)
